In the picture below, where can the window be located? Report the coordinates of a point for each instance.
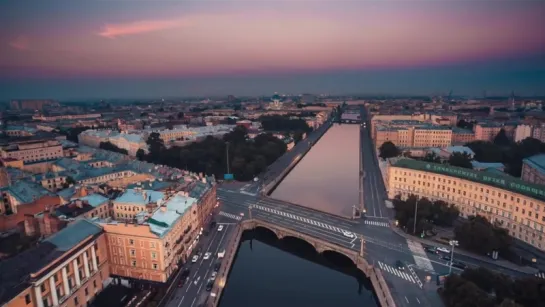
(76, 301)
(155, 266)
(134, 263)
(153, 255)
(27, 299)
(152, 244)
(86, 291)
(94, 283)
(133, 252)
(131, 241)
(42, 287)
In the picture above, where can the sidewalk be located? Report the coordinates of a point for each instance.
(501, 263)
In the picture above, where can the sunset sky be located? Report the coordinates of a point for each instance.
(100, 49)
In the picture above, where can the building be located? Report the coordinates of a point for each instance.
(514, 204)
(67, 269)
(135, 201)
(488, 131)
(53, 118)
(533, 169)
(462, 136)
(32, 104)
(445, 153)
(522, 132)
(33, 151)
(420, 136)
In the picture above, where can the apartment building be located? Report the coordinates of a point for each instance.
(67, 269)
(488, 131)
(462, 136)
(516, 205)
(135, 201)
(533, 169)
(414, 136)
(522, 132)
(66, 117)
(152, 247)
(33, 151)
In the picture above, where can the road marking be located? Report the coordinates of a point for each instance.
(396, 272)
(181, 301)
(416, 277)
(375, 223)
(417, 300)
(419, 255)
(193, 302)
(407, 299)
(540, 275)
(230, 215)
(295, 217)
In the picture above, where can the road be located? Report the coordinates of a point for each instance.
(193, 292)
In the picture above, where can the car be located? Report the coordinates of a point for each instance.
(443, 250)
(459, 265)
(185, 272)
(181, 282)
(207, 256)
(400, 265)
(348, 234)
(431, 250)
(214, 274)
(447, 258)
(217, 267)
(220, 228)
(209, 285)
(195, 258)
(197, 280)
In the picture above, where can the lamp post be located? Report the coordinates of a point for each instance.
(452, 243)
(227, 157)
(415, 213)
(250, 211)
(361, 245)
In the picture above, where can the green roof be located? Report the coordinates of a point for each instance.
(493, 179)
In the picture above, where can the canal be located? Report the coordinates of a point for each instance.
(327, 177)
(268, 272)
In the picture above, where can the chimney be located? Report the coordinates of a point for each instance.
(163, 208)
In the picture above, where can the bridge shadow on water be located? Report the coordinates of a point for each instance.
(304, 250)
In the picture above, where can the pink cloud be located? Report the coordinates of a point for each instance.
(20, 43)
(138, 27)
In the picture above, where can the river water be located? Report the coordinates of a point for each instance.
(268, 272)
(327, 177)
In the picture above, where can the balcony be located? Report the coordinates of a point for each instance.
(187, 230)
(187, 240)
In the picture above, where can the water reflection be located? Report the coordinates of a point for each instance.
(269, 273)
(327, 177)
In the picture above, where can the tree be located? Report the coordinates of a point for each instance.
(501, 139)
(432, 157)
(298, 136)
(111, 147)
(283, 123)
(479, 235)
(486, 151)
(388, 150)
(460, 159)
(465, 124)
(156, 146)
(144, 114)
(459, 292)
(141, 154)
(180, 115)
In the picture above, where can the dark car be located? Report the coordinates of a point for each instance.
(209, 286)
(400, 265)
(217, 267)
(182, 281)
(459, 265)
(431, 250)
(447, 258)
(185, 272)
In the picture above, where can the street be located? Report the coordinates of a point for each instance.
(193, 291)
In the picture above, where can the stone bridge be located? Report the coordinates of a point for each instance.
(319, 244)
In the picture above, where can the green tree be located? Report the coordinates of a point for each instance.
(501, 138)
(479, 235)
(432, 157)
(486, 151)
(460, 159)
(141, 154)
(388, 150)
(111, 147)
(156, 146)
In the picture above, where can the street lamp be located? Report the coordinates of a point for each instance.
(227, 157)
(452, 243)
(250, 211)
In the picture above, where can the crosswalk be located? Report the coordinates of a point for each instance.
(299, 218)
(540, 275)
(231, 216)
(419, 255)
(396, 272)
(376, 223)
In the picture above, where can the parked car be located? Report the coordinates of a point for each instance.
(220, 228)
(459, 265)
(209, 285)
(217, 267)
(400, 265)
(443, 250)
(206, 256)
(195, 258)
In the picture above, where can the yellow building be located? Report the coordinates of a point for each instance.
(516, 205)
(66, 269)
(134, 201)
(422, 136)
(151, 248)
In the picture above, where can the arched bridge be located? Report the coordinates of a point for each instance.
(319, 244)
(375, 275)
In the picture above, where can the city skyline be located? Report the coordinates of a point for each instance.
(124, 49)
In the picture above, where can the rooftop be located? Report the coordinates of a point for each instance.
(15, 272)
(505, 182)
(132, 196)
(162, 219)
(94, 200)
(537, 162)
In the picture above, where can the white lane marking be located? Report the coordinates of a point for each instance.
(181, 301)
(407, 299)
(417, 300)
(231, 216)
(376, 223)
(396, 272)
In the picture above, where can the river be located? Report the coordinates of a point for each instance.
(268, 272)
(327, 177)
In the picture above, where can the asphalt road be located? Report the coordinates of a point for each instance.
(193, 292)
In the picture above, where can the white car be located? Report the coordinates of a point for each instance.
(206, 256)
(195, 258)
(213, 276)
(442, 249)
(220, 228)
(348, 234)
